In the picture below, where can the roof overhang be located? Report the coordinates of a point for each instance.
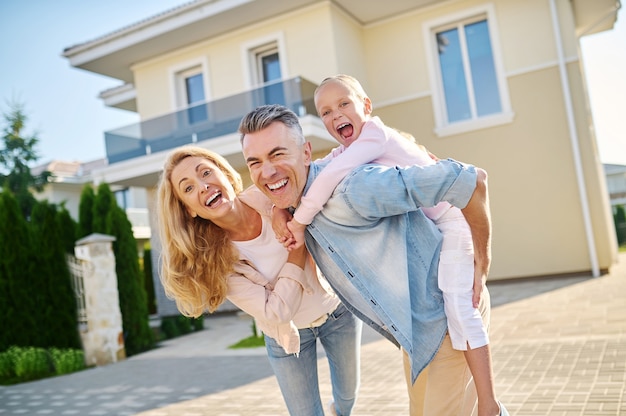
(115, 54)
(595, 16)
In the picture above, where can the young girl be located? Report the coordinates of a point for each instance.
(345, 109)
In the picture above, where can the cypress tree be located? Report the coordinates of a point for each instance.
(68, 228)
(133, 303)
(18, 325)
(85, 212)
(57, 302)
(148, 281)
(103, 205)
(110, 219)
(620, 224)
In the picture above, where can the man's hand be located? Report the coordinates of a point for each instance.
(478, 217)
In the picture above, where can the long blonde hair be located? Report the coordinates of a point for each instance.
(196, 254)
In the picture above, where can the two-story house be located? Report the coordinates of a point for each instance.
(495, 83)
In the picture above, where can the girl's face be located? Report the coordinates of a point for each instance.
(342, 111)
(203, 188)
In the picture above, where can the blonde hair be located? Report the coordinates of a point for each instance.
(351, 83)
(196, 254)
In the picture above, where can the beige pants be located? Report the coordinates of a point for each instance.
(445, 387)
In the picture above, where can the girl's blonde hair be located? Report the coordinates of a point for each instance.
(348, 81)
(196, 254)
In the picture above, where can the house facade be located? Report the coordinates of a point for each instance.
(496, 83)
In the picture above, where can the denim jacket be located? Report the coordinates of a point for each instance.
(380, 253)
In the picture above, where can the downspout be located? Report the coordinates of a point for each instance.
(591, 246)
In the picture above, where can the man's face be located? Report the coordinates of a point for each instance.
(278, 166)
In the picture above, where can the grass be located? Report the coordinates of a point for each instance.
(252, 341)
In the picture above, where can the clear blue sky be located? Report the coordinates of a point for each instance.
(62, 102)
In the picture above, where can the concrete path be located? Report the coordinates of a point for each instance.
(559, 349)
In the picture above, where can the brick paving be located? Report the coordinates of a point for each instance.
(559, 349)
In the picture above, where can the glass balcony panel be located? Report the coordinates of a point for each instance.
(205, 121)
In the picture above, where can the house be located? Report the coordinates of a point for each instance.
(66, 184)
(495, 83)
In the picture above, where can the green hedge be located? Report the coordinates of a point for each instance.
(20, 364)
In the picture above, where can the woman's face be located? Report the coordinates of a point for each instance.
(203, 188)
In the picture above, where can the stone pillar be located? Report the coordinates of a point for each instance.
(102, 336)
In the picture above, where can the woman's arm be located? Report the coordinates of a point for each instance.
(254, 293)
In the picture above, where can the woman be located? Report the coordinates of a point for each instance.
(218, 244)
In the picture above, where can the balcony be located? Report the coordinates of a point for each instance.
(205, 121)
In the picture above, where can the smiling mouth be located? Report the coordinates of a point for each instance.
(277, 185)
(345, 130)
(213, 198)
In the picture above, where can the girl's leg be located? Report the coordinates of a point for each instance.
(341, 337)
(466, 328)
(297, 375)
(479, 362)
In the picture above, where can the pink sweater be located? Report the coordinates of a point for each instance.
(377, 143)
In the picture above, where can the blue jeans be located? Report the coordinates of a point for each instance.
(297, 374)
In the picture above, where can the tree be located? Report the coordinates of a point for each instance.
(58, 325)
(110, 219)
(19, 323)
(130, 284)
(85, 211)
(620, 224)
(68, 229)
(18, 151)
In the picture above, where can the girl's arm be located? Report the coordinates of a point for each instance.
(370, 145)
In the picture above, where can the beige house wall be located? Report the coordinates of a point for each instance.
(535, 199)
(306, 36)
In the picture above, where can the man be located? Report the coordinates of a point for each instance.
(377, 249)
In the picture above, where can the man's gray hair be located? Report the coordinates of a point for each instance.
(261, 117)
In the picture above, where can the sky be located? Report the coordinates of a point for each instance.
(65, 113)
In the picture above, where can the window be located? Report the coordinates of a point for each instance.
(268, 74)
(266, 69)
(122, 197)
(191, 94)
(269, 66)
(469, 91)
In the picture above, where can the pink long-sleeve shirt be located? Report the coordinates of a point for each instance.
(377, 143)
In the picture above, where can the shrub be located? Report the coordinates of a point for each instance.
(198, 323)
(6, 366)
(184, 324)
(169, 329)
(20, 364)
(31, 363)
(67, 360)
(175, 326)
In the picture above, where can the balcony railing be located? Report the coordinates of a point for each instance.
(205, 121)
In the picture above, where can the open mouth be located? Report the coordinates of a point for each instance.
(277, 185)
(345, 130)
(213, 198)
